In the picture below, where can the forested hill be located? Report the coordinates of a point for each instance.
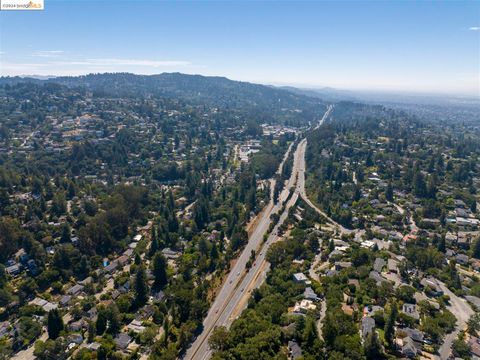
(195, 89)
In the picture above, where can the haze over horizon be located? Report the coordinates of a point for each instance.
(412, 47)
(239, 179)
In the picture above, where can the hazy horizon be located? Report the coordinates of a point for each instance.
(424, 48)
(319, 88)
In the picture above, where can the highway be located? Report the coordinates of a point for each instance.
(341, 228)
(303, 193)
(233, 289)
(232, 297)
(325, 116)
(301, 178)
(235, 292)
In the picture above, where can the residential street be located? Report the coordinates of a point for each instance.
(232, 291)
(462, 310)
(237, 283)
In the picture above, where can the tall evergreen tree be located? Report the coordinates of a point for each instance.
(309, 333)
(389, 192)
(84, 266)
(441, 244)
(214, 252)
(166, 328)
(91, 332)
(71, 190)
(390, 324)
(154, 244)
(141, 288)
(357, 193)
(432, 188)
(171, 201)
(101, 324)
(65, 233)
(419, 186)
(137, 259)
(102, 353)
(160, 271)
(54, 324)
(476, 248)
(113, 319)
(373, 348)
(277, 190)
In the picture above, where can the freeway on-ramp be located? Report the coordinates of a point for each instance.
(231, 297)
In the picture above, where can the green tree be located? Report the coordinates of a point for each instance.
(419, 186)
(102, 319)
(390, 324)
(5, 348)
(137, 259)
(91, 332)
(476, 249)
(9, 236)
(441, 244)
(159, 271)
(59, 204)
(309, 333)
(460, 347)
(219, 340)
(141, 288)
(166, 329)
(102, 353)
(373, 348)
(473, 324)
(71, 190)
(389, 192)
(65, 233)
(331, 246)
(113, 319)
(154, 243)
(201, 212)
(213, 255)
(28, 329)
(84, 267)
(54, 324)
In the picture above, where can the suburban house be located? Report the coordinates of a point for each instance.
(294, 350)
(368, 325)
(301, 278)
(411, 310)
(378, 265)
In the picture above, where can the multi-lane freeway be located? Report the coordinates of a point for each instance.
(233, 289)
(303, 194)
(234, 294)
(231, 298)
(325, 116)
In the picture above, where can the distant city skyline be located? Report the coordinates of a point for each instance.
(424, 47)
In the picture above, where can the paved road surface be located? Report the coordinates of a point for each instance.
(238, 280)
(325, 116)
(303, 194)
(462, 310)
(301, 178)
(27, 354)
(231, 298)
(411, 222)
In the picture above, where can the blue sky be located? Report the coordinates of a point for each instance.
(408, 45)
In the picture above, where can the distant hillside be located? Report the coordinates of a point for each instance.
(195, 89)
(326, 93)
